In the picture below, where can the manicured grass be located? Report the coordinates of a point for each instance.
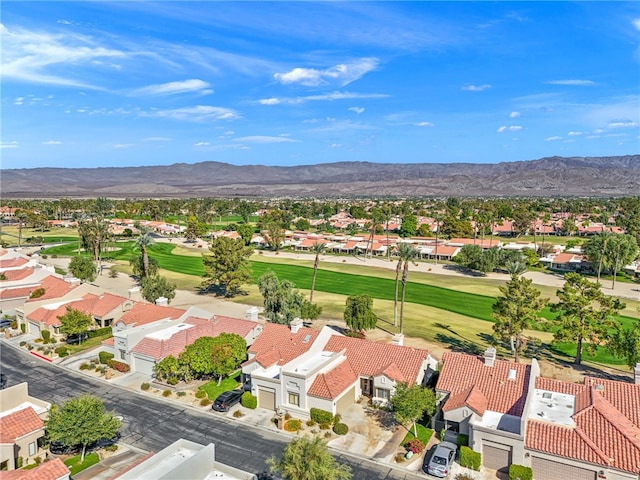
(213, 389)
(76, 467)
(88, 344)
(424, 434)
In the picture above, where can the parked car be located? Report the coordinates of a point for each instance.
(104, 442)
(57, 448)
(227, 400)
(76, 338)
(5, 323)
(440, 463)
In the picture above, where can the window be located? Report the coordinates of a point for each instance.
(383, 393)
(294, 399)
(32, 449)
(123, 355)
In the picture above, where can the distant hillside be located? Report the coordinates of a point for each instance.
(554, 176)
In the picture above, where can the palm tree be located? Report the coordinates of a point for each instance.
(404, 250)
(406, 255)
(93, 234)
(144, 241)
(316, 248)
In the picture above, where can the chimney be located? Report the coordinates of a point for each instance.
(398, 339)
(134, 293)
(252, 314)
(162, 301)
(295, 325)
(636, 373)
(489, 356)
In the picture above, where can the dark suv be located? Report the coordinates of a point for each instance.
(227, 400)
(76, 338)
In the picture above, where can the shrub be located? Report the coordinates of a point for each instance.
(462, 440)
(341, 429)
(400, 458)
(311, 423)
(145, 386)
(520, 472)
(119, 366)
(321, 416)
(37, 293)
(46, 335)
(30, 347)
(415, 445)
(181, 394)
(172, 381)
(41, 349)
(327, 434)
(19, 462)
(104, 357)
(249, 401)
(99, 332)
(325, 426)
(287, 416)
(238, 414)
(38, 340)
(111, 448)
(464, 476)
(336, 418)
(14, 324)
(293, 425)
(23, 328)
(23, 343)
(205, 401)
(201, 394)
(62, 351)
(470, 459)
(166, 393)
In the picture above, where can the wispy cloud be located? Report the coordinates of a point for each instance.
(52, 142)
(9, 145)
(514, 114)
(156, 139)
(510, 128)
(265, 139)
(269, 101)
(342, 74)
(123, 145)
(199, 113)
(424, 124)
(622, 123)
(575, 134)
(636, 23)
(335, 145)
(476, 88)
(578, 83)
(552, 139)
(172, 88)
(357, 110)
(201, 144)
(337, 95)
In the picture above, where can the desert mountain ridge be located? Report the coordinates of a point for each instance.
(550, 176)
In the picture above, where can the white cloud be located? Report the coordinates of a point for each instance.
(636, 23)
(156, 139)
(199, 113)
(123, 145)
(9, 145)
(575, 134)
(514, 114)
(579, 83)
(264, 139)
(357, 110)
(336, 145)
(424, 124)
(552, 139)
(269, 101)
(201, 144)
(476, 88)
(52, 142)
(510, 128)
(622, 123)
(341, 74)
(172, 88)
(18, 101)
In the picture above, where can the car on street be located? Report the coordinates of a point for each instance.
(442, 459)
(227, 400)
(76, 338)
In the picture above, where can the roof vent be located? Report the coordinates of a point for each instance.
(306, 338)
(512, 374)
(546, 395)
(489, 356)
(599, 387)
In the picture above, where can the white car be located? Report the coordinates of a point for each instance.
(441, 460)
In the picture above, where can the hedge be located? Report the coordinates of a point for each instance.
(119, 366)
(520, 472)
(321, 416)
(98, 332)
(46, 335)
(470, 459)
(249, 401)
(105, 357)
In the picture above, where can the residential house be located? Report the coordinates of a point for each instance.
(21, 427)
(569, 262)
(53, 469)
(559, 429)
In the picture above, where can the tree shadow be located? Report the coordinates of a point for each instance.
(384, 418)
(464, 270)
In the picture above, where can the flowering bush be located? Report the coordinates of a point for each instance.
(119, 366)
(415, 445)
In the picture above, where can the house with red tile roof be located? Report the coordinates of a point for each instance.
(53, 469)
(559, 429)
(293, 368)
(21, 426)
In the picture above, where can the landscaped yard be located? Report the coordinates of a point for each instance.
(424, 434)
(213, 389)
(75, 466)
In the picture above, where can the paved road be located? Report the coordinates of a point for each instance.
(152, 424)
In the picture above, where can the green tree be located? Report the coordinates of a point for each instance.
(246, 232)
(620, 251)
(358, 313)
(83, 268)
(514, 311)
(81, 421)
(171, 370)
(93, 235)
(191, 233)
(585, 314)
(143, 242)
(198, 357)
(74, 322)
(228, 265)
(282, 302)
(137, 265)
(157, 286)
(228, 352)
(317, 248)
(245, 209)
(411, 402)
(302, 224)
(625, 343)
(308, 459)
(409, 226)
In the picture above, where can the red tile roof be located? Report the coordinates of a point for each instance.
(277, 341)
(20, 292)
(461, 371)
(143, 313)
(369, 358)
(18, 424)
(90, 304)
(54, 287)
(333, 383)
(13, 275)
(49, 470)
(13, 262)
(471, 397)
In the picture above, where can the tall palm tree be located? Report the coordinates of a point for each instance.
(408, 255)
(316, 248)
(404, 250)
(93, 235)
(144, 241)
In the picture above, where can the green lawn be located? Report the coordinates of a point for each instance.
(74, 462)
(424, 434)
(213, 389)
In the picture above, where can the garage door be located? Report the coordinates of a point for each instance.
(34, 329)
(496, 457)
(544, 469)
(267, 399)
(346, 400)
(143, 365)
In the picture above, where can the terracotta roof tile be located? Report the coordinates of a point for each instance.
(143, 313)
(14, 275)
(90, 304)
(13, 262)
(280, 339)
(49, 470)
(333, 383)
(17, 424)
(54, 287)
(20, 292)
(472, 397)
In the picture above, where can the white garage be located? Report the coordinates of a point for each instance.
(545, 469)
(34, 329)
(267, 398)
(143, 364)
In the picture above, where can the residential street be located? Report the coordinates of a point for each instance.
(152, 424)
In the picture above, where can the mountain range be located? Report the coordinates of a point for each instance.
(551, 176)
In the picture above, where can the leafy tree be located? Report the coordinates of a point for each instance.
(191, 233)
(171, 370)
(74, 322)
(409, 226)
(81, 421)
(157, 286)
(244, 209)
(514, 312)
(620, 251)
(227, 353)
(246, 232)
(411, 402)
(83, 268)
(317, 248)
(92, 236)
(274, 236)
(282, 302)
(595, 249)
(302, 224)
(629, 217)
(625, 343)
(358, 313)
(523, 218)
(586, 314)
(308, 459)
(228, 265)
(137, 265)
(143, 242)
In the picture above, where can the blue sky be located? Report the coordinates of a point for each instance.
(97, 84)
